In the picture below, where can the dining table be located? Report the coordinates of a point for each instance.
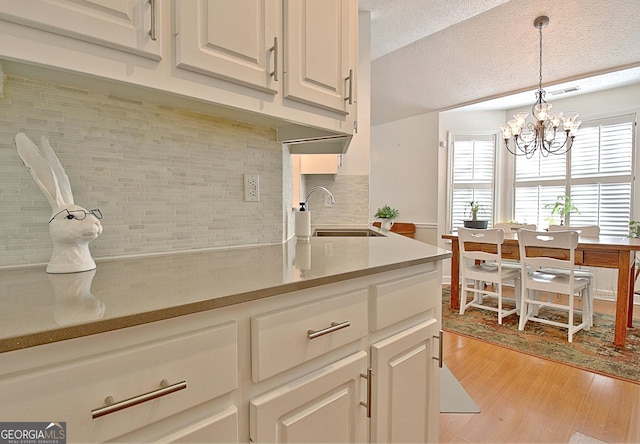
(613, 252)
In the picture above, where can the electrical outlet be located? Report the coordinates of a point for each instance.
(251, 188)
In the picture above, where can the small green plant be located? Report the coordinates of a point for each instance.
(563, 207)
(386, 212)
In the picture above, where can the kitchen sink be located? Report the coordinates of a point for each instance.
(346, 232)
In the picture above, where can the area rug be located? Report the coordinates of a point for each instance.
(591, 350)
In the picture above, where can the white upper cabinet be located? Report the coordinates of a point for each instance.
(238, 41)
(242, 42)
(131, 26)
(286, 64)
(320, 62)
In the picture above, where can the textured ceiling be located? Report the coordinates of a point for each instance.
(397, 23)
(431, 55)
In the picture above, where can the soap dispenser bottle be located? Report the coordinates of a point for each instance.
(303, 224)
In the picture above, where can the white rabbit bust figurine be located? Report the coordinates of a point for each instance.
(72, 228)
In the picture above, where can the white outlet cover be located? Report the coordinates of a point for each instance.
(251, 188)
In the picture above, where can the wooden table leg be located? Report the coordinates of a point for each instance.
(455, 276)
(622, 299)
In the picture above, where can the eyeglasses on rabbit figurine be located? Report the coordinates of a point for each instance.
(71, 227)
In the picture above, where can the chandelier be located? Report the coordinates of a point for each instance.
(551, 133)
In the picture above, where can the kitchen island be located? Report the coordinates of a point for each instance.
(229, 338)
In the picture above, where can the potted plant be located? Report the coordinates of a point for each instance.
(474, 207)
(634, 229)
(386, 215)
(563, 207)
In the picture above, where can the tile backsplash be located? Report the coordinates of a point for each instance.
(165, 179)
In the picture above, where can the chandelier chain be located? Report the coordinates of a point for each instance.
(540, 81)
(549, 133)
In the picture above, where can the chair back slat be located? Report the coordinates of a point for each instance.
(542, 249)
(509, 227)
(482, 245)
(583, 231)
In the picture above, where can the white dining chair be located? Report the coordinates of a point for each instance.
(588, 231)
(481, 264)
(540, 250)
(510, 227)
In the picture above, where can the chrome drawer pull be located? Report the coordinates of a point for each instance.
(311, 334)
(368, 376)
(274, 50)
(349, 98)
(440, 356)
(152, 31)
(112, 406)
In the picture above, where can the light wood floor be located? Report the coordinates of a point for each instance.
(532, 400)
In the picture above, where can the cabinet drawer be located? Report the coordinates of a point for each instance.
(281, 339)
(401, 298)
(204, 360)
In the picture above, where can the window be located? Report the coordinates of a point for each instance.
(472, 179)
(597, 173)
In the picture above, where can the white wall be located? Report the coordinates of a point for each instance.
(404, 168)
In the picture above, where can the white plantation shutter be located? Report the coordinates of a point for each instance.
(473, 171)
(597, 173)
(531, 201)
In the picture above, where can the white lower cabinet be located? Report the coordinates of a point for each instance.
(405, 393)
(104, 388)
(218, 428)
(349, 361)
(323, 406)
(388, 377)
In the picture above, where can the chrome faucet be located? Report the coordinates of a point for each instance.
(306, 202)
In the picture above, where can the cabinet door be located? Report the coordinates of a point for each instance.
(127, 25)
(319, 53)
(323, 406)
(236, 41)
(406, 386)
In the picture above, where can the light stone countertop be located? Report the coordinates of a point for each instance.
(38, 308)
